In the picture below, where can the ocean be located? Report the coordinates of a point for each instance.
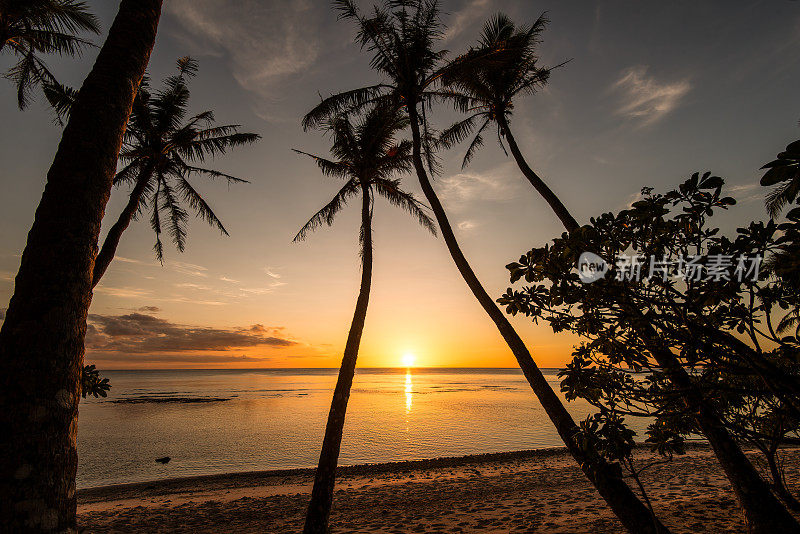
(218, 421)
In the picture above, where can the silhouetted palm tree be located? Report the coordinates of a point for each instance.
(784, 173)
(503, 67)
(29, 28)
(41, 339)
(367, 157)
(402, 35)
(159, 155)
(493, 74)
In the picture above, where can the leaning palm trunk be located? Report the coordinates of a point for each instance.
(555, 203)
(41, 340)
(633, 514)
(111, 242)
(763, 512)
(319, 508)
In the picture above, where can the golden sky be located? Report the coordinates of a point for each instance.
(634, 107)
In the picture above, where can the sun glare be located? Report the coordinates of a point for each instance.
(409, 359)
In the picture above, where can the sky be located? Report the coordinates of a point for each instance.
(654, 91)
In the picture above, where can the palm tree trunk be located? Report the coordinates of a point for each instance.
(762, 509)
(633, 514)
(555, 203)
(111, 241)
(41, 340)
(319, 509)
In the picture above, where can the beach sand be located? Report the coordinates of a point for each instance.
(532, 491)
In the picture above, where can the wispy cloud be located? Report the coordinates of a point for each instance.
(466, 226)
(143, 333)
(267, 42)
(474, 11)
(271, 273)
(645, 99)
(188, 268)
(122, 292)
(460, 190)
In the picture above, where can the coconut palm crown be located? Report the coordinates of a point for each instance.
(161, 151)
(366, 154)
(30, 28)
(503, 66)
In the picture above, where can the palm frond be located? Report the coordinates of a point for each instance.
(334, 169)
(347, 101)
(390, 190)
(210, 173)
(476, 143)
(327, 214)
(201, 207)
(61, 98)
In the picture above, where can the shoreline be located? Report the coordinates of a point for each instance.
(539, 490)
(251, 477)
(169, 485)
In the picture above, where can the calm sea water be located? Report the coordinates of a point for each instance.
(274, 419)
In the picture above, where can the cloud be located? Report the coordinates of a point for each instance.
(126, 260)
(645, 99)
(181, 358)
(462, 189)
(188, 268)
(122, 292)
(150, 309)
(271, 273)
(267, 42)
(473, 12)
(136, 333)
(466, 226)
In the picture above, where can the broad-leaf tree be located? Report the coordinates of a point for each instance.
(367, 158)
(683, 331)
(784, 174)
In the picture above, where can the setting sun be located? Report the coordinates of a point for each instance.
(409, 359)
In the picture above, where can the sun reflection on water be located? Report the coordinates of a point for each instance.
(409, 391)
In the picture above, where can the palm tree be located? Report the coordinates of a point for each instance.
(402, 35)
(783, 172)
(503, 67)
(159, 153)
(29, 28)
(41, 339)
(367, 157)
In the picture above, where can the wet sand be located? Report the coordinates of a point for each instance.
(531, 491)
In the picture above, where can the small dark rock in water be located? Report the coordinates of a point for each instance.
(163, 460)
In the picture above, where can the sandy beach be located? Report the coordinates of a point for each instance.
(530, 491)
